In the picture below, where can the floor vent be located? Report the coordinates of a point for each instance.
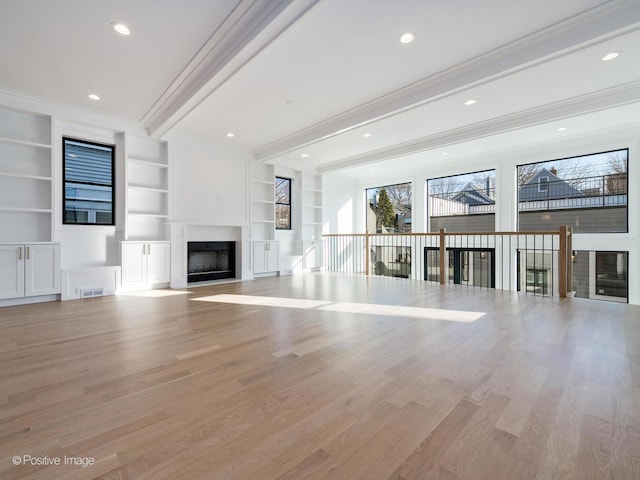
(90, 292)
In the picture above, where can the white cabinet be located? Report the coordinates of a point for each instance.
(266, 257)
(145, 264)
(29, 270)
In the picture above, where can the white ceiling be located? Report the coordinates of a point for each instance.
(312, 76)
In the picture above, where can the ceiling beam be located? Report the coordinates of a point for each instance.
(250, 27)
(592, 102)
(604, 22)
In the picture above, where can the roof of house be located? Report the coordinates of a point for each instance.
(471, 195)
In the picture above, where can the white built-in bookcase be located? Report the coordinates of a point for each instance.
(262, 201)
(147, 189)
(312, 220)
(26, 177)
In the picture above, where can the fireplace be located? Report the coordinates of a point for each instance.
(210, 261)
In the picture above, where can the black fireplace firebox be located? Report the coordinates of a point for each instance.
(210, 261)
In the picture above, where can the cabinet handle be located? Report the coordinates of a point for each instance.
(148, 249)
(28, 254)
(19, 253)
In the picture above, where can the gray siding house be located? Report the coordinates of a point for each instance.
(547, 186)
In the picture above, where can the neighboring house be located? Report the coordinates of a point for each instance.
(545, 185)
(600, 206)
(472, 196)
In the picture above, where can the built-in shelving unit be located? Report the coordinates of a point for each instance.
(311, 220)
(147, 180)
(262, 201)
(26, 179)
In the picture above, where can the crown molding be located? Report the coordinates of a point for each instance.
(599, 24)
(61, 112)
(249, 29)
(625, 94)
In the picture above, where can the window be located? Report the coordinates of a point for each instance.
(462, 203)
(89, 196)
(587, 193)
(283, 203)
(389, 208)
(543, 184)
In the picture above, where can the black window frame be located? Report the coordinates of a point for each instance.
(615, 150)
(112, 147)
(276, 202)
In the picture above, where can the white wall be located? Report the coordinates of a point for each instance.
(344, 196)
(341, 201)
(208, 182)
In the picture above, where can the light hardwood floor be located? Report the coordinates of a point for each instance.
(322, 377)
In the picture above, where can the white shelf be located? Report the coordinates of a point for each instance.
(150, 215)
(28, 177)
(266, 182)
(263, 221)
(312, 223)
(315, 190)
(15, 141)
(147, 161)
(27, 210)
(269, 202)
(312, 206)
(148, 188)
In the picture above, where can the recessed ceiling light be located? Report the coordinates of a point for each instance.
(611, 56)
(471, 101)
(121, 28)
(562, 129)
(230, 135)
(93, 96)
(366, 135)
(445, 153)
(304, 155)
(407, 37)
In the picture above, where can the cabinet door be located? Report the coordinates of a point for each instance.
(42, 270)
(11, 271)
(273, 256)
(134, 266)
(259, 257)
(158, 263)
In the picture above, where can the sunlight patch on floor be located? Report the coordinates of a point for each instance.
(403, 311)
(345, 307)
(263, 301)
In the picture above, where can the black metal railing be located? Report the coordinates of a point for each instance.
(533, 262)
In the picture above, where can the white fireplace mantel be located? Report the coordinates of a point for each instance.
(184, 232)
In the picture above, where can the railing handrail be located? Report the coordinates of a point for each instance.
(437, 234)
